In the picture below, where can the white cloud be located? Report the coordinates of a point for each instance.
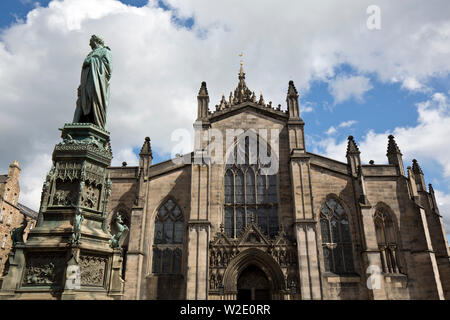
(331, 130)
(427, 142)
(411, 84)
(347, 87)
(306, 107)
(443, 202)
(125, 155)
(346, 124)
(158, 66)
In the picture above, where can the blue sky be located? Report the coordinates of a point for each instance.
(351, 80)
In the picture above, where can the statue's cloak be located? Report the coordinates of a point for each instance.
(93, 93)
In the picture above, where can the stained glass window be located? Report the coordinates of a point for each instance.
(336, 239)
(248, 192)
(168, 239)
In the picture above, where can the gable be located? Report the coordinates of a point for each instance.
(248, 110)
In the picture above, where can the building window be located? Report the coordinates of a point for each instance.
(168, 239)
(4, 241)
(9, 219)
(336, 240)
(6, 194)
(248, 193)
(1, 214)
(386, 240)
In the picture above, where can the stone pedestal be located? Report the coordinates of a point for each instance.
(68, 254)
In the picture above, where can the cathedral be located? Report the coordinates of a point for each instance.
(255, 217)
(315, 228)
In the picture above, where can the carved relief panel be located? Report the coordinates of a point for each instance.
(93, 270)
(43, 269)
(90, 196)
(66, 194)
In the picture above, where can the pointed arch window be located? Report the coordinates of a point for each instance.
(336, 241)
(249, 192)
(168, 239)
(387, 242)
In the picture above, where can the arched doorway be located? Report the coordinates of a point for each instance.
(253, 269)
(253, 284)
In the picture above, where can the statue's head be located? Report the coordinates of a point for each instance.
(96, 42)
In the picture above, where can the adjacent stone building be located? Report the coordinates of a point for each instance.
(12, 213)
(315, 229)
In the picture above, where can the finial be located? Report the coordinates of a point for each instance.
(223, 103)
(292, 91)
(261, 100)
(416, 168)
(124, 164)
(392, 146)
(14, 164)
(146, 147)
(352, 148)
(203, 90)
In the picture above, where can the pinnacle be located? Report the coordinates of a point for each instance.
(416, 168)
(203, 90)
(146, 147)
(292, 91)
(392, 146)
(352, 148)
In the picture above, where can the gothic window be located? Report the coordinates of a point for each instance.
(386, 240)
(336, 240)
(248, 192)
(168, 239)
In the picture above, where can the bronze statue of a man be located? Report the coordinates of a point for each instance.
(93, 92)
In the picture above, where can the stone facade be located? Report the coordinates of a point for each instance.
(385, 241)
(220, 224)
(12, 213)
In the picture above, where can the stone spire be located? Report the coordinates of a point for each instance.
(292, 101)
(352, 148)
(223, 103)
(203, 102)
(261, 100)
(242, 93)
(145, 158)
(416, 168)
(418, 176)
(394, 155)
(146, 149)
(353, 158)
(392, 146)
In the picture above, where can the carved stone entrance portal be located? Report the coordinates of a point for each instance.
(253, 284)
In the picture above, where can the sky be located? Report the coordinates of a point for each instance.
(352, 79)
